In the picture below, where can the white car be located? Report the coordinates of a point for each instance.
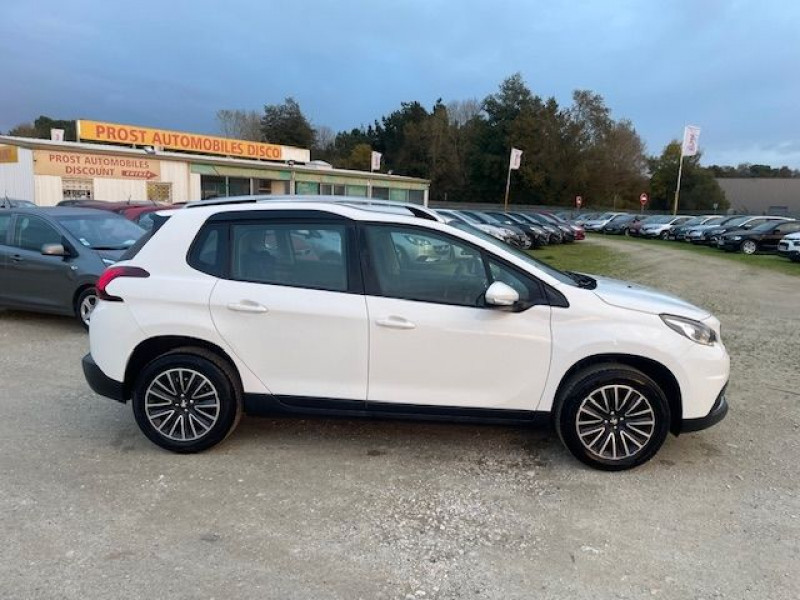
(789, 246)
(218, 312)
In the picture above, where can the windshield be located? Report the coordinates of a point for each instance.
(764, 227)
(623, 218)
(695, 221)
(657, 219)
(102, 232)
(553, 272)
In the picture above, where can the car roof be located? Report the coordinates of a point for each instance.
(61, 211)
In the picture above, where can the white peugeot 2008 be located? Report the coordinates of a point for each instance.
(316, 305)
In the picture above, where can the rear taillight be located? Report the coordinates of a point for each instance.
(113, 273)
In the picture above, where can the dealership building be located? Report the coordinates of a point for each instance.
(115, 162)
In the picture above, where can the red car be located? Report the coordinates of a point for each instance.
(138, 212)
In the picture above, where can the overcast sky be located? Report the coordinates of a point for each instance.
(731, 67)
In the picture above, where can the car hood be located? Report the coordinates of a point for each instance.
(633, 296)
(792, 236)
(114, 255)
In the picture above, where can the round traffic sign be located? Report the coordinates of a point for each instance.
(578, 201)
(643, 198)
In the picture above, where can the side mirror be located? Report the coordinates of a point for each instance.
(54, 250)
(501, 294)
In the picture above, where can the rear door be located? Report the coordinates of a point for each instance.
(771, 240)
(33, 279)
(292, 308)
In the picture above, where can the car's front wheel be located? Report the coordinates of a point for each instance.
(749, 247)
(612, 417)
(664, 235)
(186, 402)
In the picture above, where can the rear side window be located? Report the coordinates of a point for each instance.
(208, 250)
(299, 255)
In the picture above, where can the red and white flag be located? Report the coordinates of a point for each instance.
(376, 161)
(516, 158)
(691, 140)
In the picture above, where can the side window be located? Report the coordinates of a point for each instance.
(31, 233)
(299, 255)
(207, 252)
(529, 289)
(5, 220)
(417, 265)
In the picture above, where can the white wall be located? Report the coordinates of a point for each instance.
(177, 173)
(195, 188)
(16, 179)
(120, 190)
(48, 189)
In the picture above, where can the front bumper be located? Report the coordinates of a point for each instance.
(100, 382)
(724, 244)
(714, 416)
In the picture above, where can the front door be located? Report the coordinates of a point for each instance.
(432, 339)
(33, 279)
(290, 310)
(771, 240)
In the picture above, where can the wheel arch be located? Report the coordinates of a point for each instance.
(150, 349)
(78, 291)
(652, 368)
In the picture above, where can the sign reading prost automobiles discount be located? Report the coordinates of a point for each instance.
(187, 142)
(75, 164)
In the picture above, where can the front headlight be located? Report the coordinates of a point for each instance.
(694, 330)
(736, 238)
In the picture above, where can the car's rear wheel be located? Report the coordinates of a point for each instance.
(612, 417)
(84, 305)
(749, 247)
(185, 403)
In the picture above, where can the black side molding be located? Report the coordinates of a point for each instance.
(100, 382)
(714, 416)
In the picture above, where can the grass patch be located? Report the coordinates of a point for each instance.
(584, 258)
(773, 262)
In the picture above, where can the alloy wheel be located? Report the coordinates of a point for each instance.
(749, 247)
(86, 307)
(182, 404)
(615, 422)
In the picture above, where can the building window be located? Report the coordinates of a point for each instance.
(380, 192)
(159, 192)
(238, 186)
(262, 186)
(416, 196)
(213, 187)
(77, 189)
(357, 190)
(339, 190)
(398, 195)
(326, 189)
(306, 188)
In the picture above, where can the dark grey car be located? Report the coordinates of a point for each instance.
(50, 258)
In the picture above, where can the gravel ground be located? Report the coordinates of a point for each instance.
(319, 508)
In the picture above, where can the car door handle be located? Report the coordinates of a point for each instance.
(17, 258)
(247, 306)
(395, 323)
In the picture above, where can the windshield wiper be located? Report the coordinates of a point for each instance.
(109, 247)
(582, 280)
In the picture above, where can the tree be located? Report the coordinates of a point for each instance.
(24, 130)
(41, 127)
(239, 124)
(699, 189)
(285, 124)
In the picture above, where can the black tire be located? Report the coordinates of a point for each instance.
(664, 235)
(86, 300)
(219, 379)
(589, 384)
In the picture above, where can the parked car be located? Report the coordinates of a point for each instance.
(201, 323)
(578, 231)
(51, 258)
(519, 237)
(621, 224)
(697, 234)
(600, 221)
(556, 235)
(713, 234)
(7, 202)
(660, 227)
(762, 238)
(539, 237)
(498, 232)
(567, 232)
(678, 232)
(790, 247)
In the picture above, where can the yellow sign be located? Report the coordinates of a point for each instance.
(8, 154)
(74, 164)
(179, 140)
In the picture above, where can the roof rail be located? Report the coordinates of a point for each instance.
(416, 210)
